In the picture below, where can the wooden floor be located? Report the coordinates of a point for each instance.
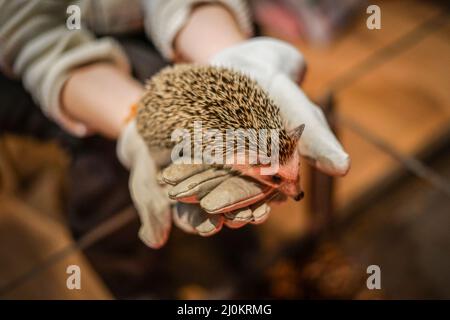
(405, 101)
(406, 235)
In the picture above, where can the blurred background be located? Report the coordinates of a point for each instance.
(386, 92)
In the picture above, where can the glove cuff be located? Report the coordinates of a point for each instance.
(262, 58)
(129, 144)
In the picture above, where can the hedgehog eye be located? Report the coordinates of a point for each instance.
(276, 179)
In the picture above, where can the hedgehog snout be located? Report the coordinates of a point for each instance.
(286, 180)
(289, 178)
(292, 189)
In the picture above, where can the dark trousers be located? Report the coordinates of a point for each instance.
(98, 184)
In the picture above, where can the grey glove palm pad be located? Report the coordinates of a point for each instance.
(196, 187)
(217, 190)
(234, 193)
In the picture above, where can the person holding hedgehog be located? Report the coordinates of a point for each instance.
(84, 84)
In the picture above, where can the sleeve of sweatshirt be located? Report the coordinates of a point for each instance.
(37, 47)
(165, 18)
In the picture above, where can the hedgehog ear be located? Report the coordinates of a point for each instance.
(296, 133)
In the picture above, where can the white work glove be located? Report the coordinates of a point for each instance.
(277, 67)
(150, 200)
(220, 198)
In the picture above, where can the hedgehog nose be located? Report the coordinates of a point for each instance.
(299, 196)
(293, 190)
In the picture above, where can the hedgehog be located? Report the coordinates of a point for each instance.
(219, 98)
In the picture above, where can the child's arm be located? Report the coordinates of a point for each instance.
(37, 46)
(210, 29)
(100, 95)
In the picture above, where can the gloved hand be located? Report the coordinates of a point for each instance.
(219, 196)
(233, 201)
(277, 67)
(150, 200)
(216, 190)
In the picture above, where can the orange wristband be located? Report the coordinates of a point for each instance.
(132, 114)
